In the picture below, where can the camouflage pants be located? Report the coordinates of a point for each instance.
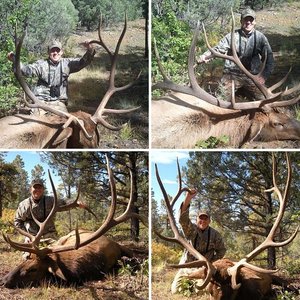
(48, 239)
(243, 85)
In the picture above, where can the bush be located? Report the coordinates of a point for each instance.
(162, 254)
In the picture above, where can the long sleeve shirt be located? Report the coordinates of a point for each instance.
(251, 49)
(208, 242)
(41, 209)
(55, 75)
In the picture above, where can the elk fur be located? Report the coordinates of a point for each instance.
(90, 262)
(254, 285)
(31, 131)
(181, 120)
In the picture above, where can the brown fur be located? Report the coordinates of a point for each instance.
(180, 121)
(254, 285)
(92, 261)
(30, 131)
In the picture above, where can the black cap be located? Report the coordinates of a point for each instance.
(37, 181)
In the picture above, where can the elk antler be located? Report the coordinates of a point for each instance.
(108, 223)
(195, 90)
(269, 241)
(36, 102)
(98, 115)
(267, 92)
(178, 238)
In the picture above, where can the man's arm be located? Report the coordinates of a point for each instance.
(76, 64)
(266, 50)
(222, 47)
(184, 218)
(220, 247)
(20, 216)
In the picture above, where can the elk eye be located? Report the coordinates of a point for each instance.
(278, 125)
(32, 270)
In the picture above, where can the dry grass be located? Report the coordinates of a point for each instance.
(124, 286)
(87, 87)
(161, 286)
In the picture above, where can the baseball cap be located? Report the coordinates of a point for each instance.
(37, 181)
(248, 12)
(55, 44)
(203, 213)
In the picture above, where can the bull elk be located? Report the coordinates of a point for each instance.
(190, 114)
(75, 258)
(226, 279)
(60, 129)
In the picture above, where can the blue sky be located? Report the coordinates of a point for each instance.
(32, 158)
(167, 166)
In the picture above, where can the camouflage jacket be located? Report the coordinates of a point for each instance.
(208, 242)
(251, 50)
(41, 209)
(55, 75)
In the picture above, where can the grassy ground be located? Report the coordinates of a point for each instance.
(88, 86)
(124, 286)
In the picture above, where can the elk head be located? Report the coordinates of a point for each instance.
(79, 130)
(265, 122)
(53, 260)
(225, 279)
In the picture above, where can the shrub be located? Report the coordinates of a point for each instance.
(164, 254)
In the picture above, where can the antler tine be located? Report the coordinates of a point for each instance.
(52, 213)
(270, 97)
(201, 260)
(97, 117)
(269, 241)
(180, 189)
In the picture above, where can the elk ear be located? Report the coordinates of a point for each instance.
(55, 270)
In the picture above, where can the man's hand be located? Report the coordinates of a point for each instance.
(188, 198)
(87, 45)
(11, 56)
(261, 80)
(80, 204)
(204, 59)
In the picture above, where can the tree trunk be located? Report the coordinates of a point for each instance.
(135, 224)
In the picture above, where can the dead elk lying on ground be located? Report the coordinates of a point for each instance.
(189, 114)
(225, 279)
(75, 258)
(60, 130)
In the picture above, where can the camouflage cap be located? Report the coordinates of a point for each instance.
(203, 213)
(248, 12)
(37, 181)
(55, 44)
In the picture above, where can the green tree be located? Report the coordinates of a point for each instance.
(232, 186)
(46, 20)
(7, 182)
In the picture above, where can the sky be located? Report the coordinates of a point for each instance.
(32, 158)
(167, 167)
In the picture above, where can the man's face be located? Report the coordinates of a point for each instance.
(248, 24)
(203, 222)
(37, 192)
(55, 54)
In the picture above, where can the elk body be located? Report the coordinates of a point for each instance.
(33, 131)
(61, 129)
(77, 257)
(181, 120)
(225, 279)
(90, 262)
(190, 114)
